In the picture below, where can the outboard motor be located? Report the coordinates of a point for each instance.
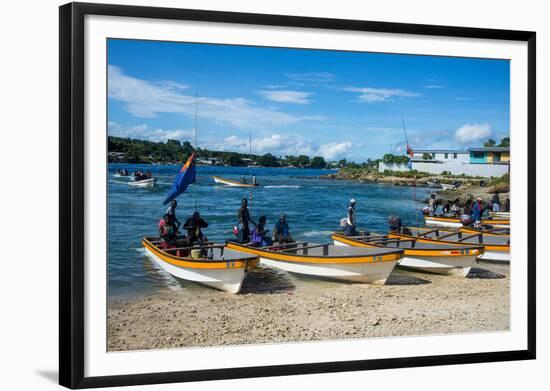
(426, 210)
(466, 219)
(394, 223)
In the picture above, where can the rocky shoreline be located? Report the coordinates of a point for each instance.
(468, 188)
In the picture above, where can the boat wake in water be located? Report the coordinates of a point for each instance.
(283, 187)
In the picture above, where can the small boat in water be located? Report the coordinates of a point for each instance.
(454, 222)
(230, 182)
(326, 260)
(497, 248)
(447, 186)
(151, 182)
(439, 258)
(210, 264)
(433, 184)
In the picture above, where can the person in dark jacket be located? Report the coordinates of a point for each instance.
(194, 226)
(281, 231)
(243, 216)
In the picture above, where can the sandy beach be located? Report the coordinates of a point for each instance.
(277, 307)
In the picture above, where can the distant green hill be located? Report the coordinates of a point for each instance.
(128, 150)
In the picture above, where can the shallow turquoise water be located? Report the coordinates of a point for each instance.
(313, 207)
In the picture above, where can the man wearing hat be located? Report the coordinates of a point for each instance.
(351, 220)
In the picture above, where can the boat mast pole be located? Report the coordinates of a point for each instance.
(196, 115)
(414, 187)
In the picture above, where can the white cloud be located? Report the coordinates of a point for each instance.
(471, 133)
(335, 151)
(143, 132)
(281, 145)
(313, 77)
(286, 96)
(145, 99)
(371, 95)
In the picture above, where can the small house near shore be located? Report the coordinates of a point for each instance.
(482, 161)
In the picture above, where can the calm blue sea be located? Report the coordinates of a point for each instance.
(313, 207)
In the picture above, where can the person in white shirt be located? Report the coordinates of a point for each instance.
(351, 222)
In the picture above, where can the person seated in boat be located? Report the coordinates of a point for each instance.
(432, 203)
(194, 226)
(455, 208)
(281, 231)
(148, 175)
(259, 234)
(447, 207)
(477, 210)
(244, 220)
(171, 211)
(351, 222)
(243, 180)
(168, 232)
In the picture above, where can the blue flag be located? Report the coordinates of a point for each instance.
(186, 176)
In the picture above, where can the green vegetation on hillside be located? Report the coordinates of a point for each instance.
(173, 151)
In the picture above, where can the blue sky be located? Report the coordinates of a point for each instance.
(333, 104)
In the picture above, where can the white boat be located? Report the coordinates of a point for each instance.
(151, 182)
(230, 182)
(445, 259)
(446, 186)
(224, 269)
(497, 247)
(454, 222)
(327, 261)
(500, 215)
(432, 184)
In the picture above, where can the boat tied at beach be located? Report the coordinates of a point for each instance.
(326, 260)
(456, 222)
(439, 258)
(210, 264)
(497, 248)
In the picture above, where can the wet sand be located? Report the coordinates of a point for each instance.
(277, 307)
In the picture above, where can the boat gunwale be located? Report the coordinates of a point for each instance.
(240, 263)
(473, 230)
(457, 220)
(492, 247)
(432, 252)
(393, 255)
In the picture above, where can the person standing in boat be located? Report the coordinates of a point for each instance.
(496, 202)
(351, 221)
(281, 231)
(171, 211)
(168, 232)
(477, 210)
(432, 204)
(244, 222)
(254, 179)
(259, 234)
(194, 226)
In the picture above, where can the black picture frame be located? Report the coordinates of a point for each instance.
(71, 193)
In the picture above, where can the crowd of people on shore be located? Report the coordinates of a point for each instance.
(477, 208)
